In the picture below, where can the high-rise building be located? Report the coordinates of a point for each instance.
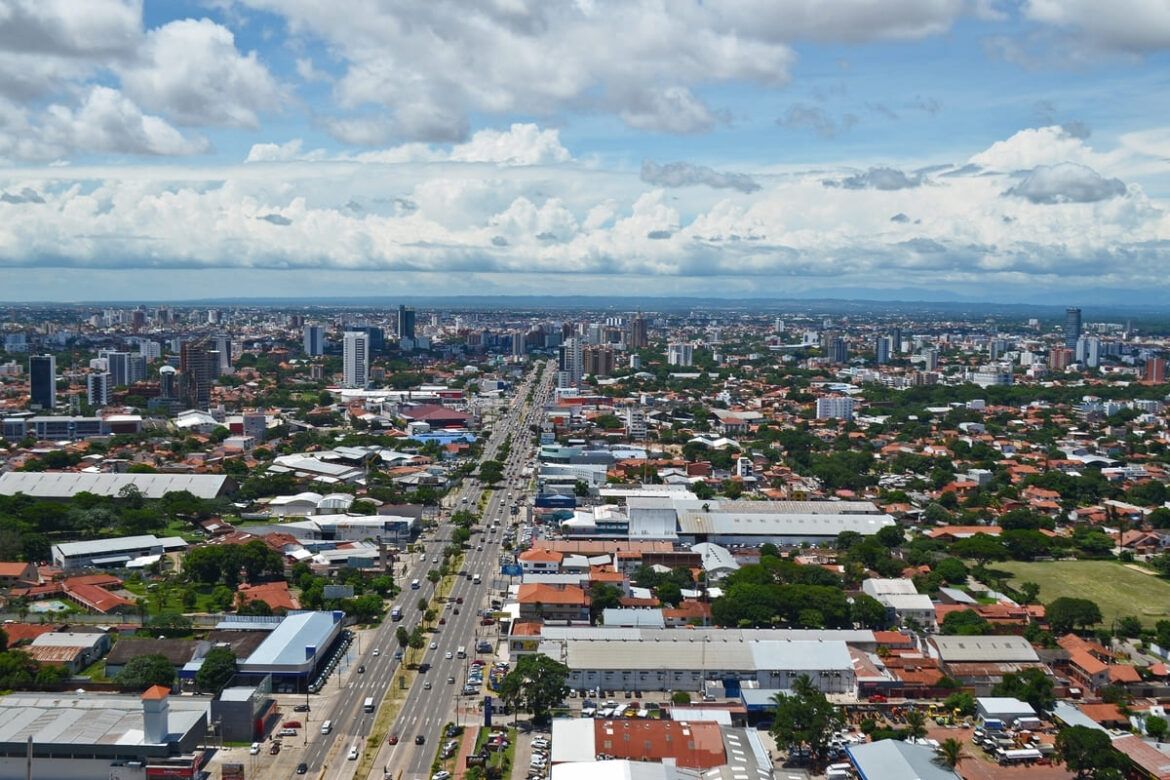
(97, 389)
(118, 365)
(223, 345)
(199, 365)
(1156, 370)
(881, 349)
(598, 361)
(168, 383)
(929, 359)
(639, 336)
(635, 423)
(1072, 327)
(42, 380)
(255, 424)
(1059, 358)
(149, 350)
(314, 340)
(571, 362)
(836, 351)
(405, 323)
(1088, 351)
(895, 340)
(356, 358)
(680, 355)
(835, 408)
(519, 347)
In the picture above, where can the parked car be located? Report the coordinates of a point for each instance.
(301, 708)
(255, 749)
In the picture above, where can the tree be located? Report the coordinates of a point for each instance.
(891, 536)
(868, 612)
(602, 596)
(1087, 751)
(433, 576)
(144, 671)
(491, 472)
(168, 624)
(1156, 726)
(1068, 614)
(980, 547)
(950, 752)
(961, 702)
(1029, 591)
(536, 684)
(580, 488)
(915, 723)
(806, 718)
(1031, 685)
(966, 622)
(402, 636)
(951, 570)
(217, 670)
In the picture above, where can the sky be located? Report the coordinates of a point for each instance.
(993, 150)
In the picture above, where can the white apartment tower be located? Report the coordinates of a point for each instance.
(356, 358)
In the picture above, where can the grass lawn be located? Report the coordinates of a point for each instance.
(1119, 591)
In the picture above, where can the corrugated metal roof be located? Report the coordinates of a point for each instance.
(758, 521)
(984, 649)
(69, 484)
(285, 646)
(87, 719)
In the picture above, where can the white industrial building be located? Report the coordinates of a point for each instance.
(62, 485)
(112, 553)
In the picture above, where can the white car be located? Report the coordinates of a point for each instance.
(353, 753)
(449, 655)
(255, 749)
(377, 652)
(434, 645)
(442, 774)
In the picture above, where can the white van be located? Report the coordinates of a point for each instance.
(326, 727)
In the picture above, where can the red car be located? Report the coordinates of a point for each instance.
(392, 739)
(487, 622)
(442, 621)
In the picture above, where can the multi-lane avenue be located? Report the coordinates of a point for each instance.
(431, 701)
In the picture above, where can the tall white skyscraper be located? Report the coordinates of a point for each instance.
(680, 355)
(356, 358)
(572, 362)
(97, 389)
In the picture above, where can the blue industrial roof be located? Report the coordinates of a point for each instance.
(285, 646)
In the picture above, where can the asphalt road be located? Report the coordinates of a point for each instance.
(426, 711)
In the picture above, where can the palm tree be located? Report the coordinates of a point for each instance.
(950, 752)
(916, 723)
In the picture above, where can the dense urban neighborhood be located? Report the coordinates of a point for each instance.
(838, 542)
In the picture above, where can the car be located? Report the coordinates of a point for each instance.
(442, 774)
(286, 732)
(456, 610)
(302, 768)
(487, 621)
(448, 655)
(301, 708)
(392, 739)
(353, 753)
(458, 599)
(254, 749)
(274, 749)
(442, 621)
(423, 668)
(427, 685)
(420, 739)
(361, 669)
(377, 652)
(451, 679)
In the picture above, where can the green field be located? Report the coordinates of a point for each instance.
(1117, 590)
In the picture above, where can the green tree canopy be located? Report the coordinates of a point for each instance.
(536, 684)
(805, 719)
(217, 670)
(144, 671)
(1069, 614)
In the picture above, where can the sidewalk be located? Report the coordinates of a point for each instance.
(466, 748)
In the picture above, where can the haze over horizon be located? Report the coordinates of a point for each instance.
(934, 150)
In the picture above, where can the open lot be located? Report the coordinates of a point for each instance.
(1117, 589)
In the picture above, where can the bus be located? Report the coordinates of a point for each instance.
(396, 613)
(368, 706)
(415, 584)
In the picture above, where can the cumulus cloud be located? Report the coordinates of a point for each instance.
(900, 218)
(681, 174)
(521, 144)
(1129, 25)
(535, 58)
(1066, 183)
(803, 116)
(26, 195)
(1035, 146)
(879, 178)
(190, 70)
(276, 219)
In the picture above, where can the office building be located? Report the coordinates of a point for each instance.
(1072, 327)
(149, 350)
(1156, 370)
(125, 368)
(835, 408)
(992, 375)
(881, 349)
(42, 376)
(255, 424)
(1059, 358)
(680, 355)
(519, 346)
(405, 323)
(356, 358)
(199, 365)
(929, 359)
(635, 423)
(314, 340)
(97, 389)
(834, 348)
(223, 345)
(168, 383)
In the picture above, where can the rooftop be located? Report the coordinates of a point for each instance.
(69, 484)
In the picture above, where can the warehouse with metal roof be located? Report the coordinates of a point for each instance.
(112, 553)
(63, 485)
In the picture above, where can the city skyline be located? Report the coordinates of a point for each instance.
(936, 151)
